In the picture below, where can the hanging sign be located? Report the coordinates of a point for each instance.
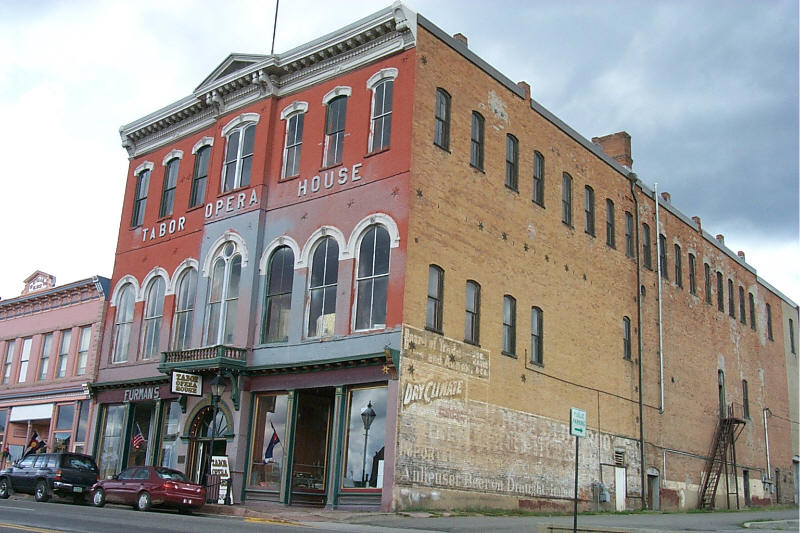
(184, 383)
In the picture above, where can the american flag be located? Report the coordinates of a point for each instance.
(138, 439)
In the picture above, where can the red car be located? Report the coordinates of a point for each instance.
(150, 486)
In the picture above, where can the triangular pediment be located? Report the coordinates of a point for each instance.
(231, 65)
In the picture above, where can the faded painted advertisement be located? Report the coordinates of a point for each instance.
(450, 437)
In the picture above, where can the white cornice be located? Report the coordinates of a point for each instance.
(381, 34)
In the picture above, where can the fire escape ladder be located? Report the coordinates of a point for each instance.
(722, 457)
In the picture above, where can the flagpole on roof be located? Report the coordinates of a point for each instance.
(274, 27)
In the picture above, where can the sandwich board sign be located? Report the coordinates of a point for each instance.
(577, 422)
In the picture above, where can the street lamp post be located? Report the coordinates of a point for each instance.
(217, 387)
(367, 416)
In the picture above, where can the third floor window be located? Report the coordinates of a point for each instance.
(239, 157)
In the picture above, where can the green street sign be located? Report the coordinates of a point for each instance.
(577, 422)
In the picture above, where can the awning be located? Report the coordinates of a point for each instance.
(31, 412)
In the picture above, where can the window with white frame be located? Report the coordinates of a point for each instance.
(476, 141)
(184, 309)
(238, 156)
(537, 336)
(382, 85)
(322, 288)
(153, 312)
(83, 350)
(123, 321)
(223, 297)
(280, 278)
(293, 144)
(44, 358)
(372, 281)
(24, 359)
(334, 129)
(626, 338)
(7, 361)
(512, 162)
(472, 318)
(200, 176)
(140, 196)
(63, 353)
(509, 325)
(168, 189)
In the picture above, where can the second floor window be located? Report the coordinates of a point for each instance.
(372, 282)
(629, 243)
(769, 323)
(44, 360)
(692, 275)
(123, 322)
(509, 325)
(184, 309)
(140, 198)
(589, 209)
(745, 399)
(707, 282)
(647, 260)
(334, 130)
(678, 267)
(223, 297)
(280, 278)
(742, 312)
(24, 359)
(476, 141)
(435, 302)
(63, 353)
(381, 123)
(626, 338)
(239, 157)
(610, 239)
(293, 144)
(168, 190)
(566, 199)
(441, 130)
(512, 162)
(731, 307)
(322, 289)
(538, 178)
(153, 312)
(83, 350)
(752, 302)
(7, 361)
(720, 292)
(200, 177)
(472, 318)
(537, 338)
(662, 256)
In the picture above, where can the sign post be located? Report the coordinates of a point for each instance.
(577, 427)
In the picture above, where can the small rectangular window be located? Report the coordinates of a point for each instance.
(629, 243)
(589, 209)
(626, 338)
(472, 319)
(538, 178)
(769, 323)
(433, 320)
(692, 275)
(566, 199)
(752, 302)
(662, 256)
(476, 141)
(509, 325)
(140, 198)
(168, 190)
(441, 131)
(610, 238)
(537, 330)
(512, 162)
(647, 259)
(720, 292)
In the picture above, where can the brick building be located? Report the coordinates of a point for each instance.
(50, 339)
(405, 271)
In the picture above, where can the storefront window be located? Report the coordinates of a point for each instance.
(170, 431)
(83, 423)
(364, 459)
(139, 448)
(111, 441)
(269, 426)
(63, 433)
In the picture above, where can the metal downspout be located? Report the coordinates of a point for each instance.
(660, 315)
(768, 477)
(643, 467)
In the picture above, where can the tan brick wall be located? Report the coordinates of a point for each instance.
(473, 227)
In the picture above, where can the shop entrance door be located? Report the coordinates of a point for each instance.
(310, 460)
(200, 443)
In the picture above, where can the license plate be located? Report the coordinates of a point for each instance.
(77, 489)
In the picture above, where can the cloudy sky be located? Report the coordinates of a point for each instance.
(707, 89)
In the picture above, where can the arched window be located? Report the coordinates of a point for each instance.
(512, 162)
(223, 295)
(168, 189)
(538, 178)
(566, 199)
(184, 309)
(239, 157)
(476, 141)
(334, 130)
(200, 176)
(441, 130)
(140, 196)
(381, 123)
(122, 324)
(279, 296)
(153, 311)
(322, 288)
(373, 279)
(293, 144)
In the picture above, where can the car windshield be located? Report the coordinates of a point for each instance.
(79, 463)
(173, 475)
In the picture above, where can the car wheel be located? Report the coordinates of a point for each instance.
(42, 493)
(4, 490)
(143, 501)
(99, 497)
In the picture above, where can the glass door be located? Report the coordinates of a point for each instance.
(310, 461)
